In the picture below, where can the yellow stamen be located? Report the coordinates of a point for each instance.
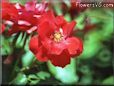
(57, 37)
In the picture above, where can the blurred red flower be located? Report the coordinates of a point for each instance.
(75, 8)
(8, 11)
(55, 41)
(2, 29)
(22, 18)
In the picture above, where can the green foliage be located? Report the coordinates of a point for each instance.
(27, 59)
(109, 81)
(33, 79)
(105, 55)
(66, 75)
(6, 46)
(43, 75)
(93, 39)
(80, 21)
(57, 8)
(67, 17)
(21, 79)
(19, 1)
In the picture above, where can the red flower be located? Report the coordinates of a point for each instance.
(8, 11)
(35, 7)
(75, 8)
(23, 18)
(55, 42)
(2, 29)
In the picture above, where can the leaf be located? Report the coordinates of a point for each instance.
(21, 79)
(43, 75)
(105, 56)
(33, 79)
(18, 1)
(90, 49)
(80, 24)
(107, 29)
(101, 16)
(5, 45)
(108, 81)
(27, 59)
(67, 17)
(85, 80)
(66, 75)
(19, 41)
(91, 42)
(57, 8)
(34, 82)
(105, 19)
(67, 2)
(32, 76)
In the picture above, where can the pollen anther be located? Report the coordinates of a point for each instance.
(58, 37)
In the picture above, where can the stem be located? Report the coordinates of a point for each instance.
(33, 65)
(15, 39)
(13, 72)
(25, 40)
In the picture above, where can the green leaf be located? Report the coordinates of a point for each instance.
(18, 1)
(105, 56)
(43, 75)
(57, 8)
(20, 79)
(26, 47)
(32, 76)
(19, 41)
(90, 49)
(67, 17)
(107, 29)
(108, 81)
(33, 79)
(34, 82)
(27, 59)
(67, 2)
(85, 80)
(91, 42)
(98, 15)
(80, 22)
(105, 19)
(66, 75)
(6, 47)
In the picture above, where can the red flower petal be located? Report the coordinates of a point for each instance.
(68, 28)
(34, 28)
(42, 54)
(53, 47)
(30, 6)
(37, 49)
(60, 21)
(17, 28)
(3, 28)
(33, 45)
(28, 17)
(60, 60)
(74, 45)
(34, 7)
(47, 16)
(8, 11)
(45, 30)
(41, 7)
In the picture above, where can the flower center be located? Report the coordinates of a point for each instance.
(58, 37)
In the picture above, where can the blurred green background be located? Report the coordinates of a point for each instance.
(94, 66)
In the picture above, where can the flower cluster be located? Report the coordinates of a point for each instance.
(22, 18)
(54, 40)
